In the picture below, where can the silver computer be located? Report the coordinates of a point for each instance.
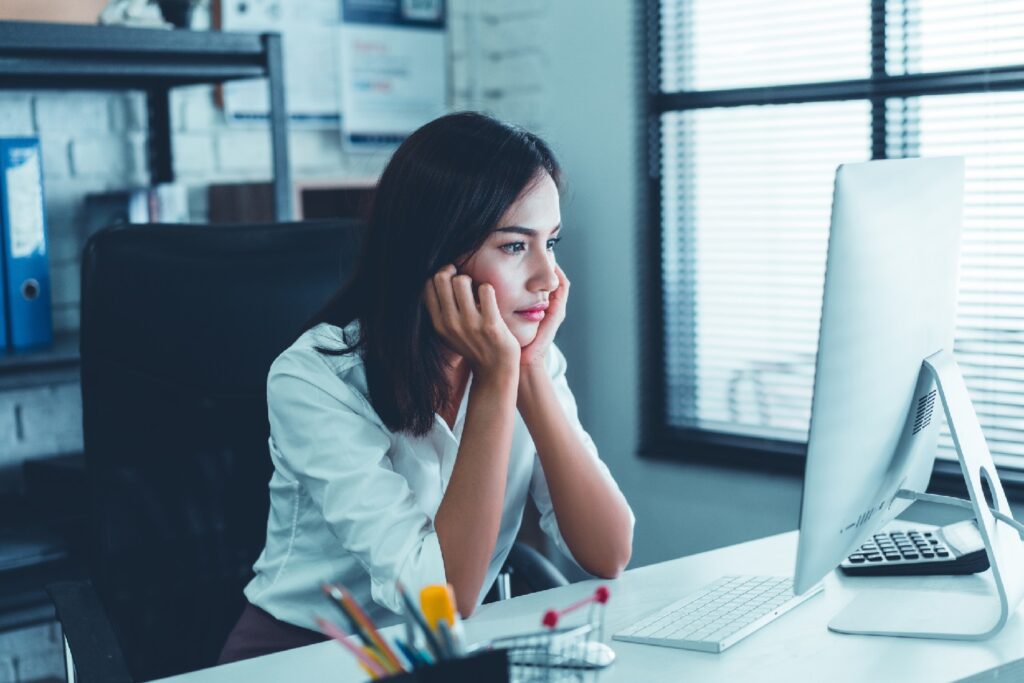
(885, 376)
(889, 303)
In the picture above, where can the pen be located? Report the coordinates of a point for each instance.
(410, 653)
(432, 645)
(444, 634)
(365, 660)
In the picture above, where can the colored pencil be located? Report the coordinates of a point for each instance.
(367, 625)
(375, 669)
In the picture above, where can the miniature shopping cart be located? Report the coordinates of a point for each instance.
(560, 651)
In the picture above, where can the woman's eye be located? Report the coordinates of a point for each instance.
(552, 242)
(513, 247)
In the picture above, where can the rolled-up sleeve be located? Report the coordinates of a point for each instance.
(556, 365)
(332, 443)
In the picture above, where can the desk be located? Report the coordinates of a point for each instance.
(796, 647)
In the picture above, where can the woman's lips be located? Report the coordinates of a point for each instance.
(533, 315)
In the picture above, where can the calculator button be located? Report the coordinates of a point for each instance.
(911, 556)
(942, 553)
(856, 560)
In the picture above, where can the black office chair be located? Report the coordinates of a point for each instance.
(179, 326)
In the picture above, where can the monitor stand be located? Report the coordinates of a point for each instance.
(959, 610)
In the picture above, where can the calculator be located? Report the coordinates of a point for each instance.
(952, 549)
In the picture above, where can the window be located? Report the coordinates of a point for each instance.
(752, 105)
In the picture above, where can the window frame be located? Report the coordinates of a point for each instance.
(662, 441)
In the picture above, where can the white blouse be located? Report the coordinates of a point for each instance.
(352, 502)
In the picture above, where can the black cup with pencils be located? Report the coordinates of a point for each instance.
(442, 656)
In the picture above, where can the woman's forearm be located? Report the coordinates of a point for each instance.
(592, 514)
(469, 517)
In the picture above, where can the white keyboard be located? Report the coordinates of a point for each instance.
(719, 614)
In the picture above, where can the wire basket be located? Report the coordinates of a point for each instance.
(560, 652)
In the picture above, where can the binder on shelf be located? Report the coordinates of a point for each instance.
(4, 345)
(26, 281)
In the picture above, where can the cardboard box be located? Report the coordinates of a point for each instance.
(56, 11)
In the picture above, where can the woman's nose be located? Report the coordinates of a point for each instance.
(544, 278)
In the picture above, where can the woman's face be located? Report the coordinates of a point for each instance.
(518, 258)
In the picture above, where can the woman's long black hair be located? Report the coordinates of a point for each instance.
(438, 199)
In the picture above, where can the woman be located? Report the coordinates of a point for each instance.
(427, 399)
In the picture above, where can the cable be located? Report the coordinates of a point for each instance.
(907, 494)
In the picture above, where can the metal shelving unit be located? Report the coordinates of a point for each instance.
(41, 56)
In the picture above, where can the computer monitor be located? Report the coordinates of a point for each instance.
(885, 369)
(889, 303)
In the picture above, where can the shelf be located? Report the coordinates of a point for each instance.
(78, 57)
(74, 57)
(50, 365)
(34, 55)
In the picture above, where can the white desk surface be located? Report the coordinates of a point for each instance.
(796, 647)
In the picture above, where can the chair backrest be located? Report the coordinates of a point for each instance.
(179, 326)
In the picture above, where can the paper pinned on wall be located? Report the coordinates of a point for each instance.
(394, 75)
(309, 47)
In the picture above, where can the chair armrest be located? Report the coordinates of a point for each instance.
(93, 648)
(533, 570)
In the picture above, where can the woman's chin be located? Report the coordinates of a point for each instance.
(524, 332)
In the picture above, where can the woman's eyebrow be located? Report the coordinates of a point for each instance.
(529, 232)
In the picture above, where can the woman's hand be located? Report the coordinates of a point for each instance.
(532, 355)
(474, 331)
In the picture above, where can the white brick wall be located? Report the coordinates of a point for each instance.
(32, 654)
(16, 114)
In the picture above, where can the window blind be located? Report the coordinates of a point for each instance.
(744, 192)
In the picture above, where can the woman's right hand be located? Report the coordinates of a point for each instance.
(474, 331)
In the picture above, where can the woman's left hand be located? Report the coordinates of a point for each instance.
(533, 354)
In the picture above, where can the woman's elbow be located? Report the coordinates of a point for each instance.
(613, 564)
(465, 602)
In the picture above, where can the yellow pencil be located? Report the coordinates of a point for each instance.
(375, 656)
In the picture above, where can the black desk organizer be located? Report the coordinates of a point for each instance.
(489, 666)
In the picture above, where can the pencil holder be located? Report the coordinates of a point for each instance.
(490, 666)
